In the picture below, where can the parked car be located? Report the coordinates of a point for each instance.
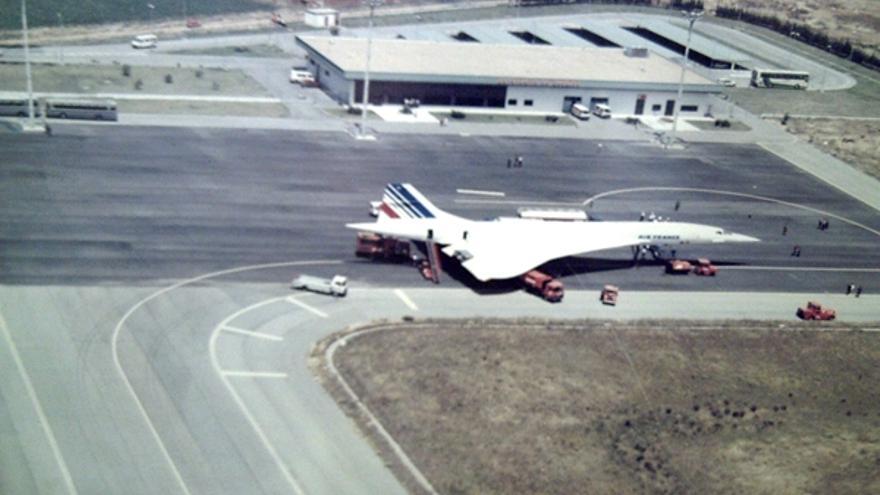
(144, 41)
(302, 76)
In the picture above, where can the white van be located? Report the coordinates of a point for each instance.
(144, 41)
(602, 111)
(302, 76)
(580, 111)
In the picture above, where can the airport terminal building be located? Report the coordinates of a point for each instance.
(514, 77)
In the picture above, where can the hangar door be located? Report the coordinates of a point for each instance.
(568, 101)
(462, 95)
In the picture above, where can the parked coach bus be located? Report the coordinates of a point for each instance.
(773, 78)
(81, 109)
(17, 108)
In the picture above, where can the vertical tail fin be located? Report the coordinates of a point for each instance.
(402, 200)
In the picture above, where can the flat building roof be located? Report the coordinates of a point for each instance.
(538, 65)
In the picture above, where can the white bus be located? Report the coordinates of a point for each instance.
(775, 78)
(17, 108)
(81, 109)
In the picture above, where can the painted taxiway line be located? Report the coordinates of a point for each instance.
(373, 421)
(254, 374)
(242, 406)
(735, 194)
(515, 202)
(311, 309)
(803, 269)
(479, 192)
(114, 345)
(251, 333)
(35, 401)
(406, 300)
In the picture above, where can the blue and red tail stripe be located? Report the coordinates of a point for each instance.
(399, 201)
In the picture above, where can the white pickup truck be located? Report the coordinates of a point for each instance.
(336, 286)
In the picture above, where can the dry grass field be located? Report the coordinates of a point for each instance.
(499, 407)
(856, 20)
(853, 141)
(86, 79)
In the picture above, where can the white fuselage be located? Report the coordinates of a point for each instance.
(456, 230)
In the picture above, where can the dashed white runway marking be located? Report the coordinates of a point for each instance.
(254, 374)
(311, 309)
(479, 192)
(251, 333)
(406, 300)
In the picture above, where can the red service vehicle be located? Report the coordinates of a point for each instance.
(544, 285)
(815, 311)
(375, 246)
(705, 267)
(678, 267)
(424, 267)
(193, 23)
(277, 19)
(609, 295)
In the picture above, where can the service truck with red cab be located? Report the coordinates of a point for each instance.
(815, 311)
(543, 285)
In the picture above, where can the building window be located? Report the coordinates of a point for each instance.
(511, 102)
(656, 108)
(528, 103)
(689, 108)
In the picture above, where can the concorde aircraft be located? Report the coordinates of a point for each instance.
(508, 247)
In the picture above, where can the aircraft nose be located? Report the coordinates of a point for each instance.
(743, 238)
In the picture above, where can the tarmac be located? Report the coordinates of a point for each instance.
(150, 343)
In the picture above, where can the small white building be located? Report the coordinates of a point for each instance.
(321, 17)
(516, 77)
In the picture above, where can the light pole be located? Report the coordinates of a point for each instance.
(27, 65)
(363, 130)
(692, 17)
(60, 28)
(150, 8)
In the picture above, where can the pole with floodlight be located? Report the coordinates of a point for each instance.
(27, 65)
(692, 17)
(60, 29)
(363, 130)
